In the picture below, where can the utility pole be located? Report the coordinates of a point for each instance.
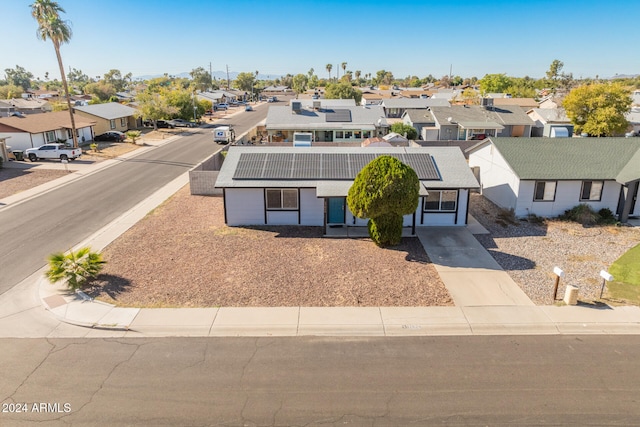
(211, 75)
(228, 83)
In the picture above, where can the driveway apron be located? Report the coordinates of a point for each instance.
(469, 272)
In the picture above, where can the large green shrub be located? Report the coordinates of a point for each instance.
(585, 215)
(384, 191)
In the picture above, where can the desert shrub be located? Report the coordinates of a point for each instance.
(606, 216)
(582, 213)
(133, 135)
(507, 216)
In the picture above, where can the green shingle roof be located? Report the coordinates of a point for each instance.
(572, 158)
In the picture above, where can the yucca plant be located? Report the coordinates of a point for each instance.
(74, 267)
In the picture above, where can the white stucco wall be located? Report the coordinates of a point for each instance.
(20, 140)
(567, 196)
(498, 182)
(244, 206)
(312, 207)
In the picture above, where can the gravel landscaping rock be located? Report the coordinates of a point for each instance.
(528, 252)
(13, 181)
(183, 255)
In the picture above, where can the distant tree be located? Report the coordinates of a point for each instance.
(183, 101)
(78, 79)
(101, 90)
(154, 107)
(456, 81)
(342, 90)
(299, 83)
(244, 81)
(329, 67)
(494, 83)
(470, 96)
(554, 70)
(445, 81)
(9, 91)
(344, 67)
(357, 74)
(402, 129)
(18, 77)
(599, 109)
(384, 77)
(200, 79)
(114, 78)
(50, 26)
(384, 191)
(310, 73)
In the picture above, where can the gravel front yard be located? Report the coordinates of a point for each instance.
(182, 255)
(528, 252)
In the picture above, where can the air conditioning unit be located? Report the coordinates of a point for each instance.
(317, 105)
(487, 102)
(296, 106)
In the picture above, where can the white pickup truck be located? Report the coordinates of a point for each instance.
(53, 151)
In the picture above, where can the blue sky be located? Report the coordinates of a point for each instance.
(277, 37)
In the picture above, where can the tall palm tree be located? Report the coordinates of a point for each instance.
(329, 67)
(344, 67)
(50, 26)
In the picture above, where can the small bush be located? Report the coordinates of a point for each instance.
(75, 268)
(133, 135)
(94, 147)
(582, 213)
(507, 216)
(606, 216)
(535, 219)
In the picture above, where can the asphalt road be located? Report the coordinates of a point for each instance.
(58, 220)
(532, 380)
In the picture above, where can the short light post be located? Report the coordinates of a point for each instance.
(606, 277)
(559, 273)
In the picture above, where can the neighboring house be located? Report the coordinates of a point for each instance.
(325, 103)
(525, 103)
(468, 122)
(217, 96)
(38, 129)
(109, 116)
(416, 92)
(41, 94)
(546, 177)
(635, 96)
(340, 125)
(395, 107)
(551, 122)
(633, 117)
(6, 109)
(423, 122)
(276, 90)
(308, 185)
(30, 105)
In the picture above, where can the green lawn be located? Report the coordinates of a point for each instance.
(626, 275)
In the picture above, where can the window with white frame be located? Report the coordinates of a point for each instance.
(112, 122)
(441, 201)
(591, 190)
(545, 191)
(282, 199)
(50, 136)
(366, 134)
(339, 134)
(357, 134)
(123, 121)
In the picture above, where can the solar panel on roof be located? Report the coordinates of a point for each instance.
(338, 115)
(323, 166)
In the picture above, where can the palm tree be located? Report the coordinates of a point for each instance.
(75, 267)
(50, 26)
(310, 72)
(358, 76)
(329, 67)
(344, 67)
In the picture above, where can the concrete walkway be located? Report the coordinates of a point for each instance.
(487, 300)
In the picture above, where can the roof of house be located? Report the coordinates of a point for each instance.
(28, 103)
(357, 118)
(570, 158)
(551, 115)
(504, 115)
(324, 103)
(38, 123)
(419, 116)
(414, 102)
(450, 165)
(520, 102)
(109, 111)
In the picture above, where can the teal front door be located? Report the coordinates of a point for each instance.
(335, 213)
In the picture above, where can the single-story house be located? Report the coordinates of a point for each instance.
(545, 177)
(109, 116)
(324, 103)
(30, 105)
(276, 90)
(344, 124)
(423, 122)
(525, 103)
(468, 122)
(395, 107)
(6, 109)
(551, 123)
(633, 117)
(35, 130)
(217, 96)
(309, 185)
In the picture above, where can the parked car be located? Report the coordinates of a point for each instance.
(113, 135)
(159, 123)
(53, 151)
(223, 106)
(181, 123)
(248, 108)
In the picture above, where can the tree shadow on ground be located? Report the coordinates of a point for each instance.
(107, 284)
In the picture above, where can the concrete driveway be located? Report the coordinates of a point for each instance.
(469, 272)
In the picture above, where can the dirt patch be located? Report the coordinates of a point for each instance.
(13, 181)
(183, 255)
